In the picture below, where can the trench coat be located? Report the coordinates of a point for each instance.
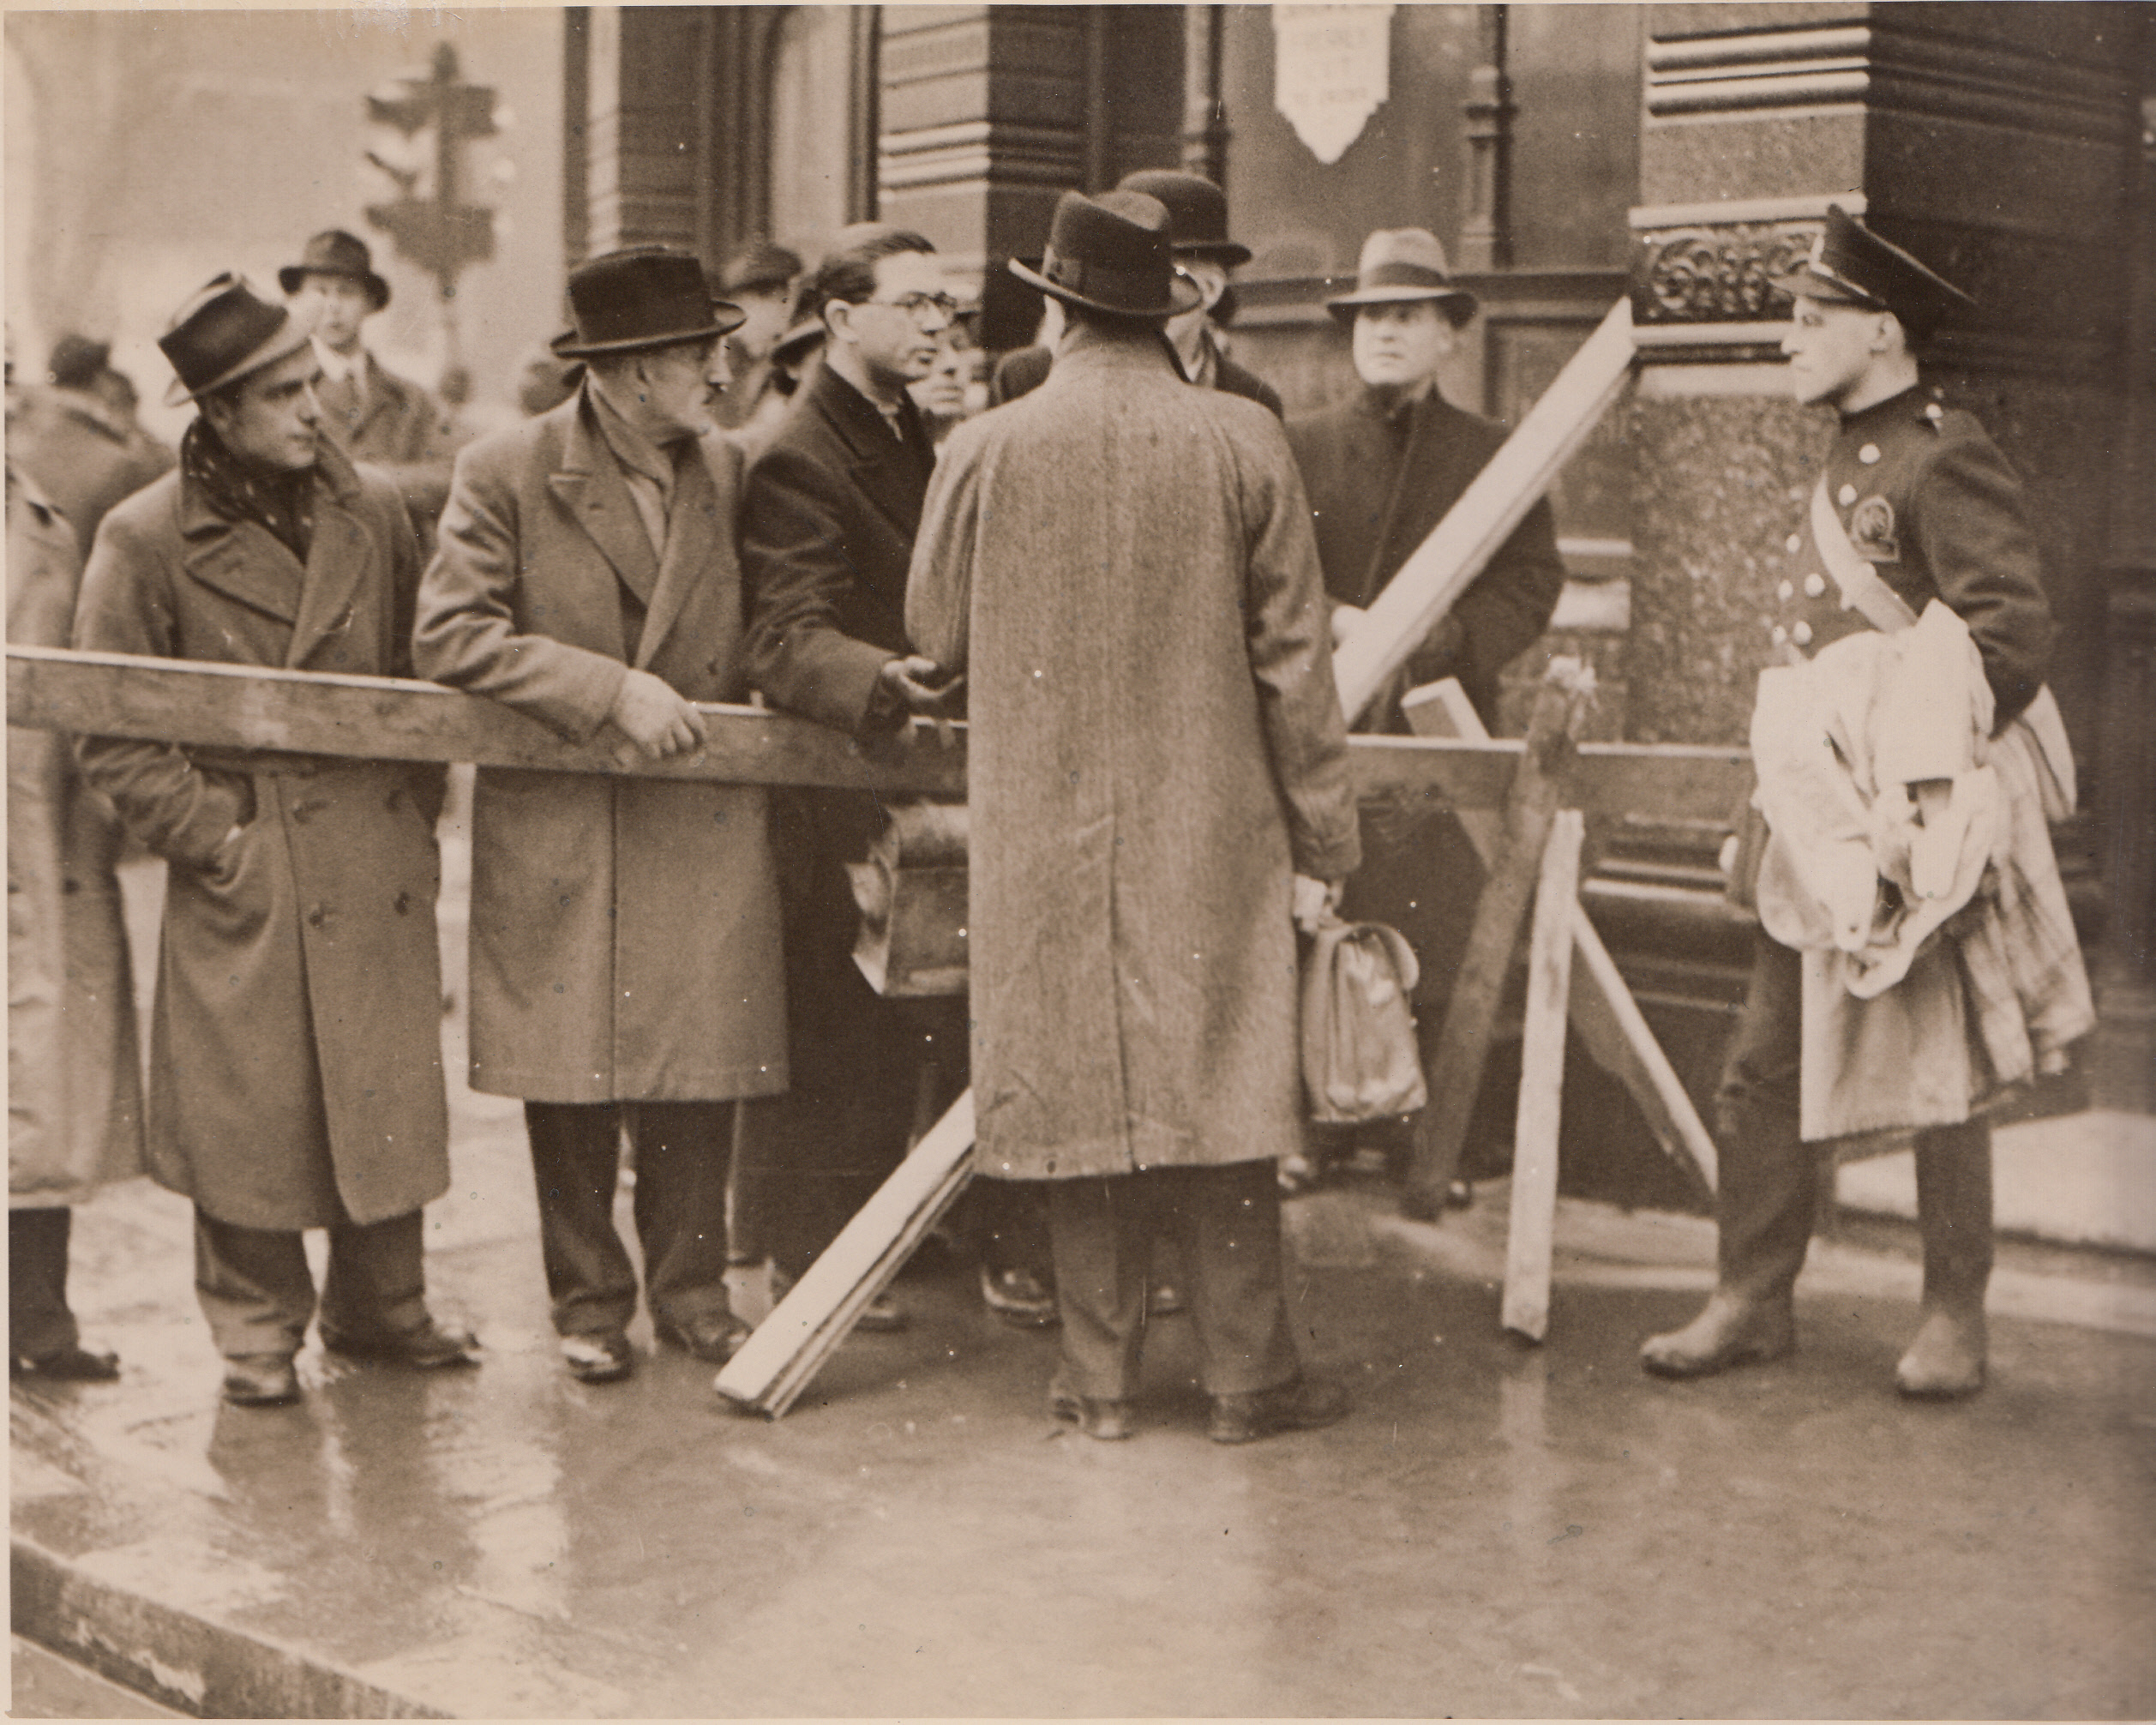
(625, 931)
(1125, 567)
(296, 1041)
(74, 1081)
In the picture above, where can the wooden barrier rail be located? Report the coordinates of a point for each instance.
(392, 718)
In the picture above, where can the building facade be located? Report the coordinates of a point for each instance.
(1565, 155)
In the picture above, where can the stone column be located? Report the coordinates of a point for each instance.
(982, 113)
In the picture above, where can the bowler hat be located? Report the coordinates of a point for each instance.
(1111, 254)
(646, 295)
(1196, 213)
(762, 267)
(335, 252)
(1850, 264)
(226, 331)
(1400, 265)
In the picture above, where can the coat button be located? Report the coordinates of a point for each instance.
(1784, 590)
(1781, 634)
(1815, 585)
(318, 915)
(301, 811)
(1869, 453)
(402, 902)
(1801, 635)
(1845, 495)
(1794, 543)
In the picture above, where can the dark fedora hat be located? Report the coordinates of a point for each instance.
(1400, 265)
(1196, 213)
(646, 295)
(225, 331)
(1111, 254)
(335, 252)
(1850, 264)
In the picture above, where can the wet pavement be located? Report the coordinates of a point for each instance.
(1496, 1530)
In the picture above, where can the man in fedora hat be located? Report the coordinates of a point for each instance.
(379, 417)
(1197, 218)
(1159, 788)
(625, 962)
(827, 528)
(1916, 508)
(297, 964)
(1382, 468)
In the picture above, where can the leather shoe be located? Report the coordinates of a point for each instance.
(1108, 1421)
(261, 1380)
(1163, 1299)
(598, 1359)
(1018, 1297)
(79, 1364)
(430, 1348)
(1730, 1331)
(714, 1340)
(1946, 1360)
(1302, 1404)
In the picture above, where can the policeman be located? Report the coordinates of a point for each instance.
(1918, 496)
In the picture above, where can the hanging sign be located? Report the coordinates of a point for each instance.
(1331, 71)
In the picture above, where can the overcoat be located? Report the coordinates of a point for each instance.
(83, 458)
(1019, 373)
(403, 430)
(296, 1042)
(74, 1081)
(1125, 566)
(625, 935)
(1377, 486)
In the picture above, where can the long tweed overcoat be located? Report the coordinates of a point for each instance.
(75, 1084)
(625, 931)
(1125, 566)
(296, 1044)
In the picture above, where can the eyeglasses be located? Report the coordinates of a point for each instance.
(917, 306)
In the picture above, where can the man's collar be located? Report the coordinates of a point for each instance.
(631, 447)
(339, 366)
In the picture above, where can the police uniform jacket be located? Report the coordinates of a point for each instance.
(1930, 502)
(296, 1043)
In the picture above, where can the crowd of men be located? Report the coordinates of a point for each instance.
(769, 483)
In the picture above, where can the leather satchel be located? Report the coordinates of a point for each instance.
(1360, 1061)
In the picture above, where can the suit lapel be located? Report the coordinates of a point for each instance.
(693, 530)
(1421, 479)
(886, 471)
(591, 490)
(241, 560)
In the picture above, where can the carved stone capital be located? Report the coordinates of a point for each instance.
(1714, 274)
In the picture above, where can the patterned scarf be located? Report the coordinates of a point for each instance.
(283, 502)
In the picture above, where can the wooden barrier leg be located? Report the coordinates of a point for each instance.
(1530, 1235)
(1609, 1023)
(1463, 1044)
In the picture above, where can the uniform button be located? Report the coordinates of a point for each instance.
(1869, 453)
(1846, 494)
(1794, 543)
(1784, 590)
(1780, 635)
(1815, 585)
(1801, 635)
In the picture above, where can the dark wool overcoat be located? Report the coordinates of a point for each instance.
(296, 1044)
(75, 1083)
(1378, 481)
(403, 430)
(625, 935)
(1123, 565)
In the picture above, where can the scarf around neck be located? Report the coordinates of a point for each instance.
(282, 502)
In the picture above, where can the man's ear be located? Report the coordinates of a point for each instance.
(838, 320)
(1888, 336)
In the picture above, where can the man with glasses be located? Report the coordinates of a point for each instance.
(827, 528)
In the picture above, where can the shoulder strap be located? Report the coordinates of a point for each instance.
(1862, 588)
